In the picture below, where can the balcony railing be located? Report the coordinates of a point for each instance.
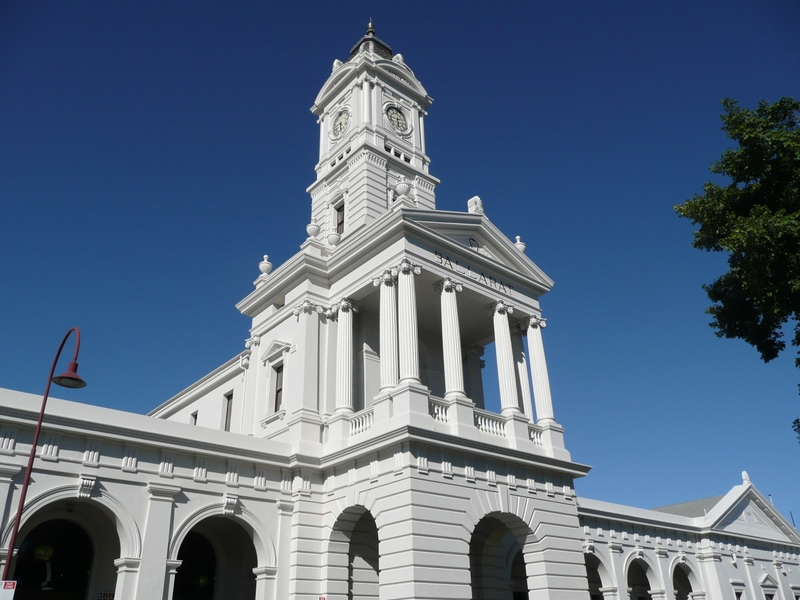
(490, 423)
(438, 409)
(535, 434)
(361, 421)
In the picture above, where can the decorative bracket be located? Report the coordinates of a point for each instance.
(86, 485)
(229, 504)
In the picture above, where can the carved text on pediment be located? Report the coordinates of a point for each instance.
(469, 272)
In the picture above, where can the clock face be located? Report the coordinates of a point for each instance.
(396, 118)
(340, 123)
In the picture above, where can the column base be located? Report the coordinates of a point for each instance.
(510, 411)
(338, 429)
(553, 439)
(461, 413)
(410, 399)
(383, 406)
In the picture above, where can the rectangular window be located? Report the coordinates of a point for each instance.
(340, 218)
(278, 396)
(228, 410)
(193, 418)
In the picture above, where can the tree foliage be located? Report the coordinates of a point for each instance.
(756, 220)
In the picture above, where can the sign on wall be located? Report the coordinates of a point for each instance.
(7, 590)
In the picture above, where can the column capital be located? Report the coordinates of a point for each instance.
(407, 267)
(388, 277)
(449, 285)
(537, 322)
(502, 308)
(307, 307)
(346, 305)
(475, 349)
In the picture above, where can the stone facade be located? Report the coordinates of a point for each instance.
(346, 452)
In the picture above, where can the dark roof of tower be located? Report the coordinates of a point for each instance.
(379, 47)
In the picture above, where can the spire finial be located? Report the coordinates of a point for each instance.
(370, 27)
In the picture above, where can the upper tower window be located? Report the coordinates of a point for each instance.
(340, 218)
(228, 411)
(277, 373)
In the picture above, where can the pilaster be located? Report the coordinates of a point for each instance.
(152, 580)
(127, 573)
(265, 582)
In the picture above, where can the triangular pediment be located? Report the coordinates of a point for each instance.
(275, 350)
(473, 235)
(768, 582)
(751, 516)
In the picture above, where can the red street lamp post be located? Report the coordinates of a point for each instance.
(70, 379)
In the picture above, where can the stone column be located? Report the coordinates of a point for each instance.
(407, 321)
(505, 359)
(344, 356)
(521, 362)
(451, 340)
(155, 543)
(474, 369)
(388, 327)
(541, 381)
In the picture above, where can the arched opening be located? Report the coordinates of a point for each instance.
(67, 552)
(593, 567)
(497, 563)
(218, 558)
(363, 571)
(195, 577)
(54, 561)
(638, 581)
(681, 583)
(352, 570)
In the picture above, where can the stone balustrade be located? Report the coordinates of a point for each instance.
(361, 421)
(535, 434)
(490, 423)
(438, 409)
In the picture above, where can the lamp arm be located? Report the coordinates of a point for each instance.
(32, 456)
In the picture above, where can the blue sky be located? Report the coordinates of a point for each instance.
(151, 153)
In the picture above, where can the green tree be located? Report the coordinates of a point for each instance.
(756, 220)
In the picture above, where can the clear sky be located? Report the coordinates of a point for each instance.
(151, 153)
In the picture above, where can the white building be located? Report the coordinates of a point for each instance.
(346, 452)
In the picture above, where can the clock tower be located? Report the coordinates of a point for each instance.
(372, 140)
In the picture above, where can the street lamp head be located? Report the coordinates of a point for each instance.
(70, 379)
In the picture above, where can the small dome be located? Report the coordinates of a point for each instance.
(373, 44)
